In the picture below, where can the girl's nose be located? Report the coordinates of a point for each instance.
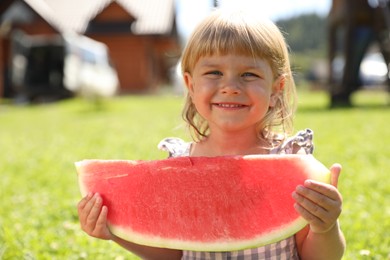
(231, 87)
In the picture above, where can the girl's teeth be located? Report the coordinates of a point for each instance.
(229, 105)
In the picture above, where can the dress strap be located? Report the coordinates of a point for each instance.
(176, 147)
(303, 139)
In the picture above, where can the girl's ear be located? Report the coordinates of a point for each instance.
(188, 80)
(277, 89)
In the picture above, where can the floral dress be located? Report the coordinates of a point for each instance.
(284, 249)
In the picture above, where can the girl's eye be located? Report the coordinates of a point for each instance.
(214, 72)
(249, 74)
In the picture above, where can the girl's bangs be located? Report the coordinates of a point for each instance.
(227, 41)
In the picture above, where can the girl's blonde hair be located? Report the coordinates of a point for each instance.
(239, 33)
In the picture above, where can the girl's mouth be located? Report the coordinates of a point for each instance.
(229, 105)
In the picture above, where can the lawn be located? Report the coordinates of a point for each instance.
(39, 192)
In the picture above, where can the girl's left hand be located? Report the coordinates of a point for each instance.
(319, 203)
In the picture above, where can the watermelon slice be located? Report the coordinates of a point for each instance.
(202, 203)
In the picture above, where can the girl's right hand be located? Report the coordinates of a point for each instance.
(93, 220)
(93, 217)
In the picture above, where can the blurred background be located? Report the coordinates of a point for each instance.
(57, 55)
(53, 49)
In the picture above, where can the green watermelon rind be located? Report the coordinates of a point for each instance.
(319, 173)
(217, 246)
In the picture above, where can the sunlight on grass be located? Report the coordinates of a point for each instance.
(358, 139)
(40, 143)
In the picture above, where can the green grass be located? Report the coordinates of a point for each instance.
(39, 192)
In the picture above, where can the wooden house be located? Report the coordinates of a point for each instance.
(141, 35)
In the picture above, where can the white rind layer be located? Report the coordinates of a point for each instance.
(211, 246)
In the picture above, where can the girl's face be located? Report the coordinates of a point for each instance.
(232, 92)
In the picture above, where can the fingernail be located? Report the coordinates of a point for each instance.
(308, 182)
(98, 199)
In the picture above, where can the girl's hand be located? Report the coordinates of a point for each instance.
(93, 217)
(319, 203)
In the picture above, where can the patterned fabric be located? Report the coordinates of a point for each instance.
(285, 249)
(303, 139)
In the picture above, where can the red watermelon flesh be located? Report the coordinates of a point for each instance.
(202, 203)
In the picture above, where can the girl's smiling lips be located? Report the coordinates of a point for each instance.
(229, 105)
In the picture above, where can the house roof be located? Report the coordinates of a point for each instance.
(152, 16)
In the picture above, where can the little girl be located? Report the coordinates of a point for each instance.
(240, 100)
